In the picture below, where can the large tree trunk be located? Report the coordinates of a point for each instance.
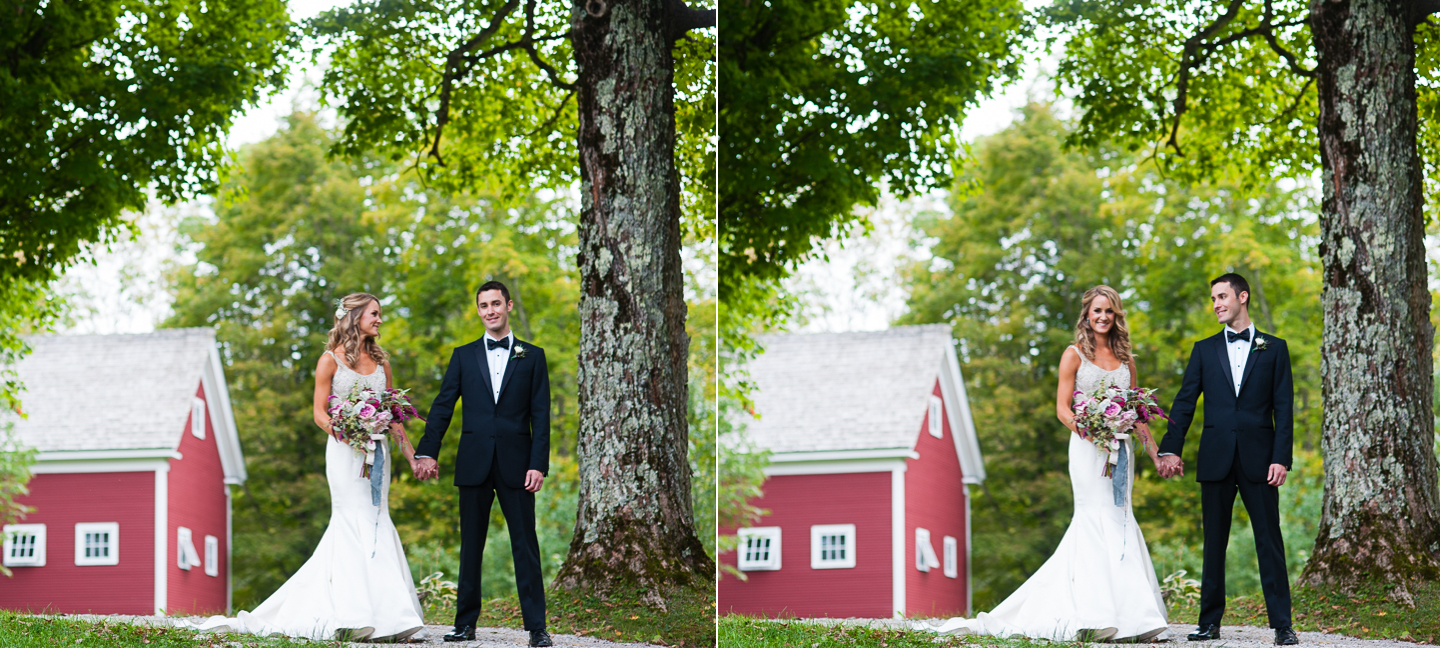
(1380, 519)
(635, 525)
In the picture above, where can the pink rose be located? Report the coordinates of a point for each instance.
(1112, 410)
(367, 411)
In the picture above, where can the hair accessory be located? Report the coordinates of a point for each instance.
(340, 310)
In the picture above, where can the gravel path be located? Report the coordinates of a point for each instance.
(1230, 636)
(484, 637)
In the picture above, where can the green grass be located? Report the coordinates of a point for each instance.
(687, 622)
(18, 630)
(1367, 614)
(748, 632)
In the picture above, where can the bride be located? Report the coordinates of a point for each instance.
(357, 584)
(1099, 584)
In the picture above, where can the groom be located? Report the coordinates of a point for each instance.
(504, 454)
(1245, 448)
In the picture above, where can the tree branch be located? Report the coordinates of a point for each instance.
(456, 68)
(1188, 61)
(683, 18)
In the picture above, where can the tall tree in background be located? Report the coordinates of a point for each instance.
(465, 91)
(635, 522)
(1266, 86)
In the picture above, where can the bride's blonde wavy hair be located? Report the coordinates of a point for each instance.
(346, 332)
(1119, 333)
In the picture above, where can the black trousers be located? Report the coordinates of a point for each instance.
(518, 506)
(1262, 503)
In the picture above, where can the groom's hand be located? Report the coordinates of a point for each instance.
(533, 480)
(1171, 466)
(426, 468)
(1277, 475)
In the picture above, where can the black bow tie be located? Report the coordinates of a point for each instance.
(491, 345)
(1231, 336)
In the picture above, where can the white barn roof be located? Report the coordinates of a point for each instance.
(122, 396)
(863, 394)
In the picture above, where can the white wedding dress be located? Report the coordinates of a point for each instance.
(1099, 581)
(357, 584)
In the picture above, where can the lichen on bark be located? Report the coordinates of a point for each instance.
(1381, 513)
(635, 525)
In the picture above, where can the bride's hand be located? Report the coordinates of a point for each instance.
(330, 427)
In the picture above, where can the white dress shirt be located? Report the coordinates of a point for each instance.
(1239, 351)
(497, 358)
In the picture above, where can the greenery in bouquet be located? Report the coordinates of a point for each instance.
(369, 411)
(1106, 416)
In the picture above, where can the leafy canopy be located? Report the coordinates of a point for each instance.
(105, 99)
(823, 100)
(482, 93)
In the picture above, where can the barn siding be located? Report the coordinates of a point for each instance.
(61, 501)
(197, 502)
(796, 502)
(935, 500)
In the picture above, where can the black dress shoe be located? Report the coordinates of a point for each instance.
(540, 639)
(1286, 636)
(1205, 633)
(461, 633)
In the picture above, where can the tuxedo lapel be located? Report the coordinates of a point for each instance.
(481, 358)
(1224, 355)
(509, 368)
(1250, 362)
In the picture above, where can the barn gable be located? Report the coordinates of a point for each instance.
(857, 396)
(114, 398)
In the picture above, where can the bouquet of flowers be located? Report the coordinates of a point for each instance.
(1106, 416)
(364, 416)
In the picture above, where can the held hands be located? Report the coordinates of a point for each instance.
(425, 468)
(1170, 466)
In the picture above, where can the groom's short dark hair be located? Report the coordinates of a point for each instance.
(1237, 282)
(492, 285)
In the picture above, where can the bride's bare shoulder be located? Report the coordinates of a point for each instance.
(326, 363)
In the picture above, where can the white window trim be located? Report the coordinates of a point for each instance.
(185, 554)
(82, 528)
(197, 417)
(212, 556)
(925, 558)
(773, 564)
(817, 561)
(37, 530)
(936, 420)
(952, 557)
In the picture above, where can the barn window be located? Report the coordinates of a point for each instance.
(925, 558)
(759, 549)
(197, 417)
(185, 554)
(832, 546)
(937, 410)
(952, 565)
(24, 545)
(212, 556)
(97, 543)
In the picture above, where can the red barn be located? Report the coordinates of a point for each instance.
(137, 451)
(872, 449)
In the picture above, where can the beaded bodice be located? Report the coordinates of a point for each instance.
(1090, 375)
(346, 378)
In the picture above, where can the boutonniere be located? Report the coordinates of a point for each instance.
(518, 351)
(1260, 343)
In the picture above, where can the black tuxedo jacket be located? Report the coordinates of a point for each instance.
(516, 429)
(1259, 422)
